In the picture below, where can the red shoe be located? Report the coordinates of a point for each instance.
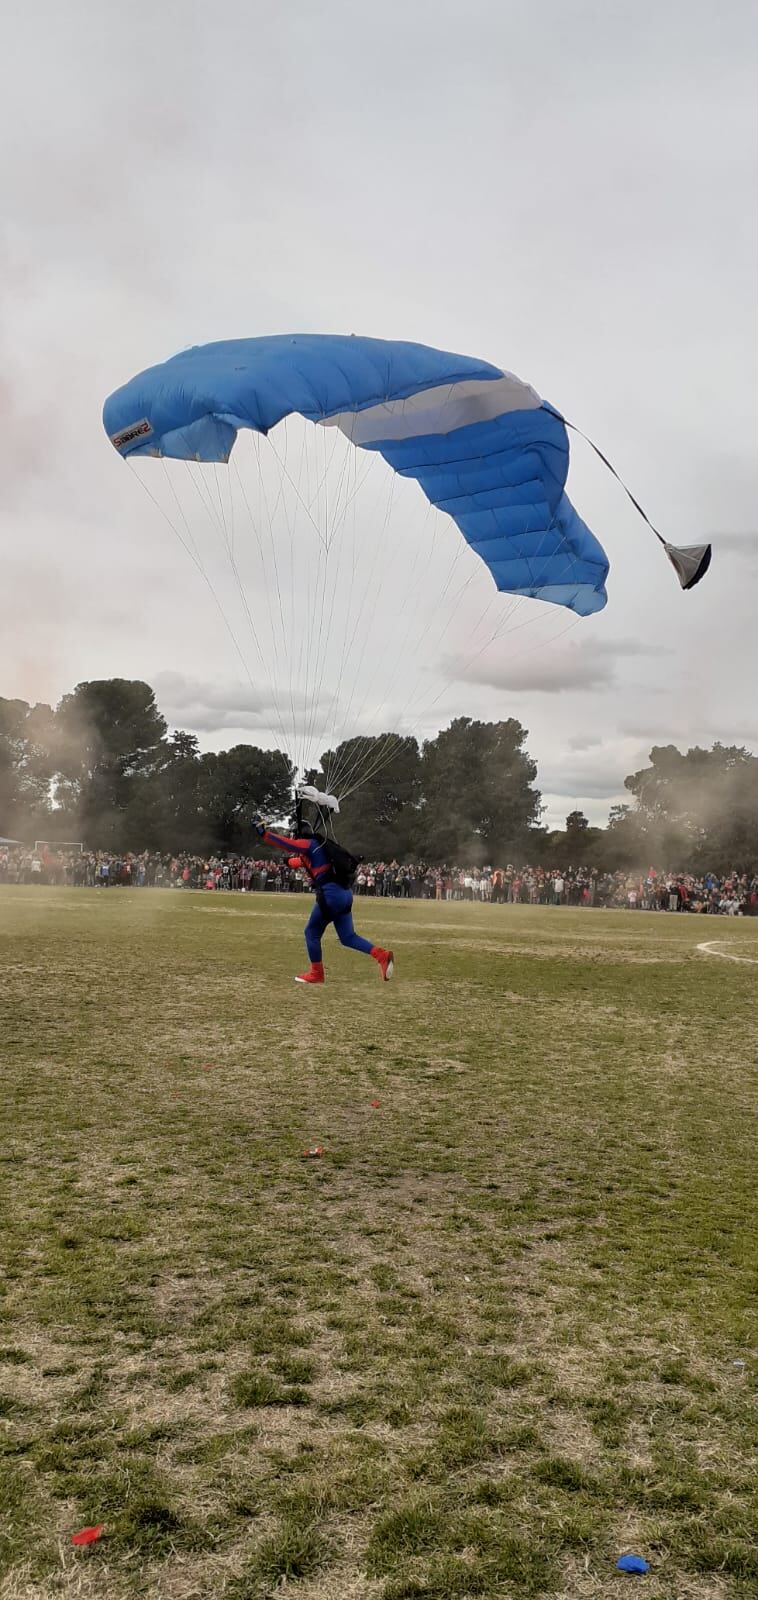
(316, 974)
(386, 961)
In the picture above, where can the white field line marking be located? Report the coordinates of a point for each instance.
(709, 949)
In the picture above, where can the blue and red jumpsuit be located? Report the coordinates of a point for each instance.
(333, 903)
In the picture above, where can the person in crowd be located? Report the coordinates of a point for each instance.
(707, 894)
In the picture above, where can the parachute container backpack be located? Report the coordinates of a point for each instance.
(309, 546)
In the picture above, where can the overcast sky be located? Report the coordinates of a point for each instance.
(566, 189)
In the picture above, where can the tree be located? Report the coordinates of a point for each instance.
(576, 845)
(234, 785)
(700, 808)
(164, 805)
(479, 800)
(108, 732)
(380, 820)
(26, 767)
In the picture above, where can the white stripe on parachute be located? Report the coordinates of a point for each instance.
(440, 410)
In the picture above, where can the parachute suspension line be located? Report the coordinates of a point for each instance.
(378, 759)
(296, 631)
(565, 576)
(226, 529)
(333, 504)
(293, 485)
(180, 508)
(358, 482)
(338, 535)
(379, 549)
(414, 630)
(541, 644)
(220, 521)
(327, 735)
(401, 664)
(357, 750)
(198, 564)
(322, 655)
(314, 647)
(359, 773)
(315, 616)
(339, 709)
(291, 629)
(313, 642)
(287, 641)
(193, 553)
(335, 763)
(361, 751)
(283, 660)
(385, 649)
(205, 499)
(503, 625)
(227, 522)
(322, 480)
(256, 438)
(386, 750)
(316, 597)
(332, 711)
(256, 524)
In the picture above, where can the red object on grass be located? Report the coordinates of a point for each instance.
(375, 1104)
(88, 1535)
(315, 1150)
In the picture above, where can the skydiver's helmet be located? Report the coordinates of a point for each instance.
(306, 831)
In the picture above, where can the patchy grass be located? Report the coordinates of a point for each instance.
(497, 1335)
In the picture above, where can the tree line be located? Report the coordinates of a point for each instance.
(104, 768)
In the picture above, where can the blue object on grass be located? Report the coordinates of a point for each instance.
(632, 1564)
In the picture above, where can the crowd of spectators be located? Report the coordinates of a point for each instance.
(725, 894)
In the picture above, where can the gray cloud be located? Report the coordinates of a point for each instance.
(696, 731)
(742, 545)
(597, 773)
(600, 784)
(214, 707)
(584, 741)
(207, 707)
(590, 665)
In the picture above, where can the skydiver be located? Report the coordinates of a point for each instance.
(327, 866)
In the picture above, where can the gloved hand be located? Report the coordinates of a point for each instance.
(259, 825)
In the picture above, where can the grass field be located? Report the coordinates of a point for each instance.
(494, 1337)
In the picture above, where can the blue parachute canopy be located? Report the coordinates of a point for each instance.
(482, 444)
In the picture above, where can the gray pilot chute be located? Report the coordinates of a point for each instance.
(690, 561)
